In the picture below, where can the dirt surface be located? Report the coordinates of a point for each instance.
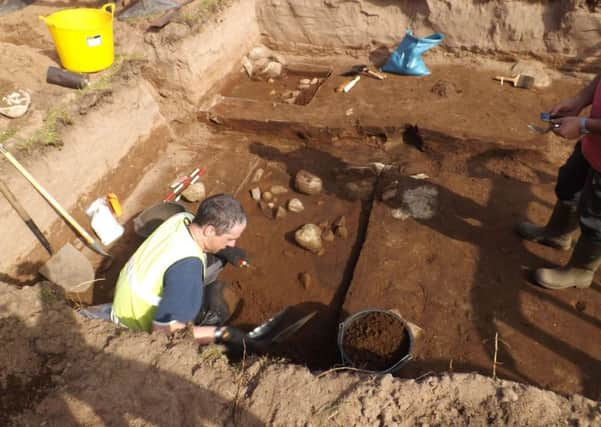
(376, 341)
(438, 247)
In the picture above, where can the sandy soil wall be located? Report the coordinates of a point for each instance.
(560, 32)
(184, 67)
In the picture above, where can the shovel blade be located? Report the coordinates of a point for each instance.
(72, 271)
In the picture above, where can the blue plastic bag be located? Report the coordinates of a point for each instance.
(407, 58)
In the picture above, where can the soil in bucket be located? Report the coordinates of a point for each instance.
(376, 341)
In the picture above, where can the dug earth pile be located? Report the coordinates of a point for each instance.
(422, 180)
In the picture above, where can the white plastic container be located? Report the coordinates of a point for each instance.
(103, 222)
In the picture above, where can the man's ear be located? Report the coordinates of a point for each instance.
(209, 230)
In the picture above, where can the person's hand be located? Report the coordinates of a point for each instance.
(235, 256)
(568, 107)
(237, 342)
(569, 127)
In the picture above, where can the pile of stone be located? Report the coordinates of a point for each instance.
(262, 63)
(309, 236)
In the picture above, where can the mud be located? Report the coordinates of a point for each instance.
(376, 341)
(451, 151)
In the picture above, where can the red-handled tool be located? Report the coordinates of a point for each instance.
(184, 183)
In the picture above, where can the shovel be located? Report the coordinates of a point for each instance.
(68, 268)
(25, 216)
(521, 80)
(93, 243)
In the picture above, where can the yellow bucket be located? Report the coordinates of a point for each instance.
(83, 37)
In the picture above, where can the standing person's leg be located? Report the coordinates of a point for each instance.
(563, 222)
(586, 257)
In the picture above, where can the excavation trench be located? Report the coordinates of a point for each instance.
(428, 234)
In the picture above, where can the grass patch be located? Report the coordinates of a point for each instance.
(108, 76)
(198, 11)
(49, 134)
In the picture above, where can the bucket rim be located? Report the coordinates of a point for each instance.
(109, 8)
(342, 326)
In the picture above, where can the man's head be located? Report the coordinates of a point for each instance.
(220, 220)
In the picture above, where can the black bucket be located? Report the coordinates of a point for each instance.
(403, 358)
(150, 218)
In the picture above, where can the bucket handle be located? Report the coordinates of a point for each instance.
(109, 7)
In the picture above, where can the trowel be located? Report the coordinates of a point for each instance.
(266, 331)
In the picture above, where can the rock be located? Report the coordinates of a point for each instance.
(195, 192)
(304, 82)
(309, 237)
(314, 81)
(534, 69)
(280, 212)
(255, 193)
(295, 205)
(267, 196)
(307, 183)
(327, 235)
(399, 214)
(258, 175)
(259, 52)
(305, 280)
(271, 205)
(278, 189)
(273, 69)
(341, 232)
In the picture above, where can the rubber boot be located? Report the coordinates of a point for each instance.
(221, 302)
(558, 231)
(579, 271)
(407, 58)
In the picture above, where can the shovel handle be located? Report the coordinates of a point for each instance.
(25, 216)
(57, 207)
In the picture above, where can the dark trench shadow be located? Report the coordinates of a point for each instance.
(154, 396)
(335, 174)
(505, 253)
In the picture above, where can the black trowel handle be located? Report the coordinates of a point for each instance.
(25, 216)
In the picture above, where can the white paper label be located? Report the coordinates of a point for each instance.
(94, 41)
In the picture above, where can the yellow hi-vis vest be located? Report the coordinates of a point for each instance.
(140, 284)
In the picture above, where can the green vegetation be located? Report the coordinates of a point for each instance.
(49, 134)
(199, 11)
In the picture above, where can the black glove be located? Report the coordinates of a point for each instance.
(236, 341)
(235, 256)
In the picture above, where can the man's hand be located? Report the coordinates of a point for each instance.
(238, 342)
(235, 256)
(569, 107)
(569, 127)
